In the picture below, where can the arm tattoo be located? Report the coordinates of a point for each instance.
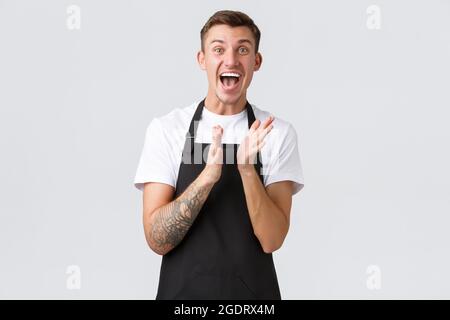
(172, 221)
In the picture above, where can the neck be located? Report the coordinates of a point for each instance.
(213, 104)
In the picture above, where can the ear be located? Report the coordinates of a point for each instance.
(201, 59)
(258, 61)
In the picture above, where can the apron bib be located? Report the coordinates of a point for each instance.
(219, 257)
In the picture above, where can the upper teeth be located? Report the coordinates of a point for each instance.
(230, 74)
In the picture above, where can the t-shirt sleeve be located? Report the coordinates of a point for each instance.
(155, 164)
(284, 160)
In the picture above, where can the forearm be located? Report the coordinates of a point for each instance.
(269, 223)
(169, 224)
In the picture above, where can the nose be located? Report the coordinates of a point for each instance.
(231, 59)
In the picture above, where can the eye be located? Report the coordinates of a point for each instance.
(218, 50)
(243, 50)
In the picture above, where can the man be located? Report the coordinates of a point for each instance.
(217, 181)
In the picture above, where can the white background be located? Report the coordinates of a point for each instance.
(370, 106)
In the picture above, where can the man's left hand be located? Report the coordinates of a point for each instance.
(252, 143)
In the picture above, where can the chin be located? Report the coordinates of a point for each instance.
(229, 98)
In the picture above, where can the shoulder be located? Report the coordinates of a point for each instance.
(177, 119)
(280, 126)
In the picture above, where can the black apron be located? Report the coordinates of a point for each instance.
(220, 256)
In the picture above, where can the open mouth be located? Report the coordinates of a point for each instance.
(230, 80)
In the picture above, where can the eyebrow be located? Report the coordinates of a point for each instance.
(239, 41)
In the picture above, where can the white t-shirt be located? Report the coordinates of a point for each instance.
(165, 137)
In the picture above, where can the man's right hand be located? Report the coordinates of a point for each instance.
(167, 220)
(213, 168)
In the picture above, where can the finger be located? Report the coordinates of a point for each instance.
(218, 155)
(267, 122)
(212, 150)
(255, 125)
(261, 144)
(265, 132)
(217, 136)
